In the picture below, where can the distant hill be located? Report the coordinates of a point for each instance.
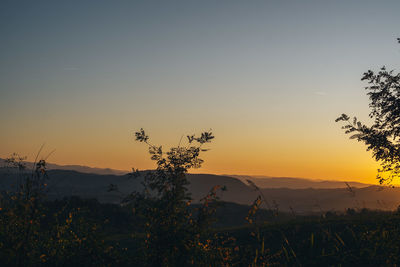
(260, 181)
(78, 168)
(300, 200)
(297, 183)
(67, 183)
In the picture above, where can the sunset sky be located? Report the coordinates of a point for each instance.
(268, 77)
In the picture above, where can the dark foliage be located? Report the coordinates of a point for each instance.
(175, 233)
(382, 137)
(32, 233)
(83, 232)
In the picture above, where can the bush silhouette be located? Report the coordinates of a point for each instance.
(174, 233)
(33, 235)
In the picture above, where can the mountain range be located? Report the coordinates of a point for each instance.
(78, 168)
(290, 195)
(260, 181)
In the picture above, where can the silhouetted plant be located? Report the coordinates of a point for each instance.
(262, 255)
(382, 137)
(176, 235)
(20, 213)
(30, 235)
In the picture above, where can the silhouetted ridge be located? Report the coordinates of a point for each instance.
(68, 183)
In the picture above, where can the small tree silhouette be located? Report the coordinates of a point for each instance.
(382, 138)
(175, 234)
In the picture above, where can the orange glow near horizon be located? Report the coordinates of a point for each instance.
(281, 156)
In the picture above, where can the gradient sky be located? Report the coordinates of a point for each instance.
(268, 77)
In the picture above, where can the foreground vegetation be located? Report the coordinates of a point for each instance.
(89, 233)
(160, 226)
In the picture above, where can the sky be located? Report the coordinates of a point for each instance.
(268, 77)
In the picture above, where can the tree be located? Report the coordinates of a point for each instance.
(175, 232)
(383, 136)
